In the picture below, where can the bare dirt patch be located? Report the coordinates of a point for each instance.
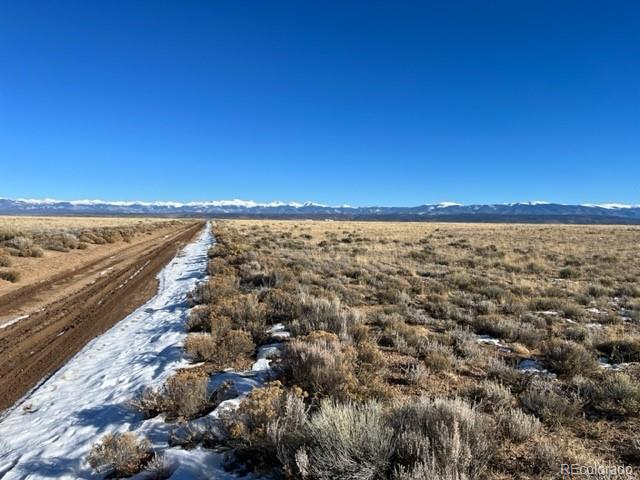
(72, 306)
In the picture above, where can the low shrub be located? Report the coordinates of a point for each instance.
(449, 435)
(120, 454)
(491, 396)
(184, 395)
(281, 306)
(545, 401)
(440, 360)
(198, 320)
(318, 363)
(568, 358)
(621, 349)
(12, 276)
(5, 261)
(415, 373)
(231, 348)
(498, 369)
(346, 441)
(616, 392)
(323, 314)
(496, 326)
(517, 425)
(248, 314)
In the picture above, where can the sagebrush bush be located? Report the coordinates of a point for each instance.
(568, 358)
(62, 242)
(517, 425)
(201, 346)
(543, 399)
(616, 392)
(223, 350)
(5, 261)
(319, 363)
(465, 345)
(347, 441)
(621, 349)
(448, 434)
(323, 314)
(546, 456)
(497, 369)
(496, 326)
(267, 428)
(120, 454)
(249, 314)
(415, 373)
(439, 360)
(198, 320)
(491, 396)
(281, 306)
(185, 395)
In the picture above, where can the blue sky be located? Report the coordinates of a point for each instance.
(388, 103)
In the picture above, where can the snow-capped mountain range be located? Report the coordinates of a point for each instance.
(507, 212)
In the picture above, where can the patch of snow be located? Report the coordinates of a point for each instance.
(278, 331)
(534, 367)
(489, 340)
(448, 204)
(605, 363)
(12, 321)
(609, 206)
(88, 396)
(594, 325)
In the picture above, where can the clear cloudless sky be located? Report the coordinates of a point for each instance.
(358, 102)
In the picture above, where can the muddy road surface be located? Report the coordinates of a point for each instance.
(75, 311)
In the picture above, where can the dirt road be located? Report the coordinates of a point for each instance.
(76, 311)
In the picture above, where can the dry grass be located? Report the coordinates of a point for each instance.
(120, 455)
(387, 321)
(32, 236)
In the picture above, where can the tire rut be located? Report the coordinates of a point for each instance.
(35, 347)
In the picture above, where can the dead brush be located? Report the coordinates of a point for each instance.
(120, 455)
(320, 364)
(184, 395)
(227, 349)
(323, 314)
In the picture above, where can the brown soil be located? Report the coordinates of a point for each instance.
(71, 307)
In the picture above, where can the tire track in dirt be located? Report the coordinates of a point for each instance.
(37, 346)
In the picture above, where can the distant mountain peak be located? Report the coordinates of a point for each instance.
(534, 211)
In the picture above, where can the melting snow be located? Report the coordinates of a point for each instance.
(278, 331)
(12, 321)
(534, 367)
(489, 340)
(604, 363)
(49, 433)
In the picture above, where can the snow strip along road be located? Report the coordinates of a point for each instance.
(50, 432)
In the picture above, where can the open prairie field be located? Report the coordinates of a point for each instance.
(59, 281)
(350, 350)
(415, 351)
